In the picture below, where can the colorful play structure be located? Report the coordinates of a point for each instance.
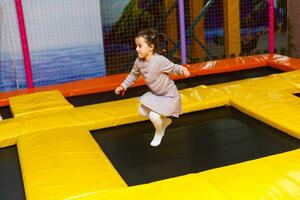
(59, 158)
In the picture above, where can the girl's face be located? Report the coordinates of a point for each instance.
(143, 50)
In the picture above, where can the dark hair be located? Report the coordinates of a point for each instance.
(152, 37)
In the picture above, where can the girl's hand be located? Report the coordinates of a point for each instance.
(184, 71)
(120, 89)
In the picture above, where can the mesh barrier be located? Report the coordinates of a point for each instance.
(12, 74)
(254, 20)
(205, 30)
(206, 35)
(291, 27)
(79, 39)
(122, 20)
(282, 37)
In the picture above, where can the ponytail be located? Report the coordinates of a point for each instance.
(162, 44)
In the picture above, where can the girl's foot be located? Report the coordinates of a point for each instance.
(157, 139)
(158, 136)
(1, 118)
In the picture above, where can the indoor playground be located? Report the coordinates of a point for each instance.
(65, 134)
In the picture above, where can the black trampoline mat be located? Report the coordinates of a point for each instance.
(193, 143)
(297, 94)
(11, 184)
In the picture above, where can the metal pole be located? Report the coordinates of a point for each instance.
(182, 31)
(24, 42)
(271, 26)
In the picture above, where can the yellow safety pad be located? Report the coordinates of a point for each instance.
(267, 83)
(92, 117)
(276, 108)
(269, 99)
(201, 98)
(11, 129)
(273, 177)
(292, 77)
(36, 103)
(102, 115)
(120, 112)
(191, 187)
(63, 164)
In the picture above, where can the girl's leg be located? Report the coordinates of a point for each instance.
(166, 122)
(144, 111)
(160, 123)
(1, 118)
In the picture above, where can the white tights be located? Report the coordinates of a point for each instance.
(159, 122)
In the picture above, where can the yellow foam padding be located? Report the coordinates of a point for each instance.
(272, 177)
(266, 84)
(120, 112)
(102, 115)
(64, 164)
(201, 98)
(190, 187)
(36, 103)
(269, 99)
(276, 108)
(292, 77)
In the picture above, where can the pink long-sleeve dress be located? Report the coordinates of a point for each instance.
(163, 97)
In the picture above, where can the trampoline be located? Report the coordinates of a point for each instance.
(196, 142)
(208, 144)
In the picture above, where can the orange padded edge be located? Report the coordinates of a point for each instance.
(109, 83)
(284, 63)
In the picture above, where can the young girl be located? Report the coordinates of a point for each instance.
(163, 99)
